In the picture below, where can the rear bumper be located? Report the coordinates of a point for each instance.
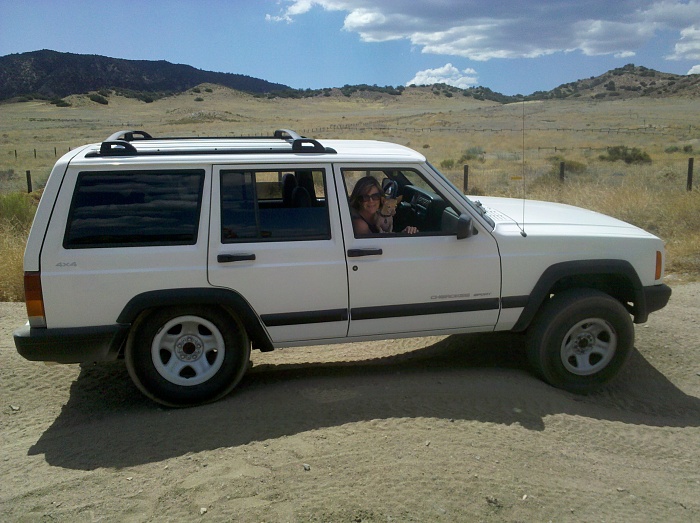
(78, 345)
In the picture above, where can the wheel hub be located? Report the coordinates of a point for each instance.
(583, 343)
(189, 348)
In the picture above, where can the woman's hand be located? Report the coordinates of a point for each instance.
(410, 230)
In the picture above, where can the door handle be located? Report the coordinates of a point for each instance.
(228, 258)
(356, 253)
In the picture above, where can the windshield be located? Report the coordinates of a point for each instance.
(476, 205)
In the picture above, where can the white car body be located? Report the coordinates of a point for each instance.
(484, 266)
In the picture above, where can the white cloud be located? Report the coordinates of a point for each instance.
(447, 74)
(484, 30)
(694, 70)
(689, 45)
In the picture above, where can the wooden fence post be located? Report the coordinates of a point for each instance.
(466, 178)
(29, 181)
(689, 186)
(561, 171)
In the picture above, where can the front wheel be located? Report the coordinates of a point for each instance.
(580, 340)
(183, 356)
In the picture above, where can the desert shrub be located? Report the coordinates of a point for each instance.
(672, 149)
(447, 164)
(626, 154)
(17, 211)
(104, 92)
(208, 90)
(60, 102)
(16, 215)
(12, 271)
(98, 98)
(687, 148)
(199, 99)
(471, 154)
(10, 174)
(196, 90)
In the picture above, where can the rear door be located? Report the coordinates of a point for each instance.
(275, 239)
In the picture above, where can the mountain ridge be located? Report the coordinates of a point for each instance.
(54, 75)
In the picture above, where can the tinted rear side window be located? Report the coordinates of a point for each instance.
(272, 205)
(135, 208)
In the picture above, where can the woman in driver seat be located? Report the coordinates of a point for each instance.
(365, 201)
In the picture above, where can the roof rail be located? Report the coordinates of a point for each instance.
(117, 148)
(120, 144)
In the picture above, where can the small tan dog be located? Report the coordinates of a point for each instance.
(384, 219)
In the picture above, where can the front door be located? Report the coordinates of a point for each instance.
(428, 281)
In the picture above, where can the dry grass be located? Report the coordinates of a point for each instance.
(16, 214)
(650, 196)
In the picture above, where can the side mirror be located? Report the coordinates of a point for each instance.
(464, 227)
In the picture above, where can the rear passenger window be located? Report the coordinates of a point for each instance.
(273, 205)
(135, 208)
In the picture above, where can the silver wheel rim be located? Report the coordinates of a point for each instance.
(188, 350)
(588, 347)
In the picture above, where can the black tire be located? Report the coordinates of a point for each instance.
(580, 340)
(187, 355)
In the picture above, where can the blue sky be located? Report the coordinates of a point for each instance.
(510, 46)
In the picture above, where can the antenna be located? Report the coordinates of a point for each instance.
(522, 176)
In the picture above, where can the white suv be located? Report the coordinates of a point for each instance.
(179, 254)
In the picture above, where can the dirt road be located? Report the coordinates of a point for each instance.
(439, 429)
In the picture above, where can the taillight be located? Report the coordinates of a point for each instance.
(659, 265)
(34, 299)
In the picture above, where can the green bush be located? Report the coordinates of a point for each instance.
(447, 164)
(626, 154)
(60, 102)
(199, 99)
(16, 211)
(471, 154)
(98, 98)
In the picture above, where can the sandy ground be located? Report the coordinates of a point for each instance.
(438, 429)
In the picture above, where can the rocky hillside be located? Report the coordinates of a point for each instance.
(51, 74)
(629, 81)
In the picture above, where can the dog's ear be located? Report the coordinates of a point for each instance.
(383, 200)
(398, 200)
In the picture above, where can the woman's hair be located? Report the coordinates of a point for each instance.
(362, 187)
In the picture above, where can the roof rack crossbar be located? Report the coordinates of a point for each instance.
(129, 136)
(279, 133)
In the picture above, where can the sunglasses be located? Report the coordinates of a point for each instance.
(374, 196)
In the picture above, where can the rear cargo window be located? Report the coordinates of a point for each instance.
(135, 208)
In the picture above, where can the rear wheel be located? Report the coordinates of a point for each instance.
(183, 356)
(580, 340)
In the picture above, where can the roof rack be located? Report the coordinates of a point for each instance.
(121, 143)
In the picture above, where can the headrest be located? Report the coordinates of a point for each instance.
(390, 188)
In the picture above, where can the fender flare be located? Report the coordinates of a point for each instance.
(582, 270)
(230, 300)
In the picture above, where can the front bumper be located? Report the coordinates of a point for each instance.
(73, 345)
(655, 298)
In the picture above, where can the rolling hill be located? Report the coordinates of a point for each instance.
(51, 74)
